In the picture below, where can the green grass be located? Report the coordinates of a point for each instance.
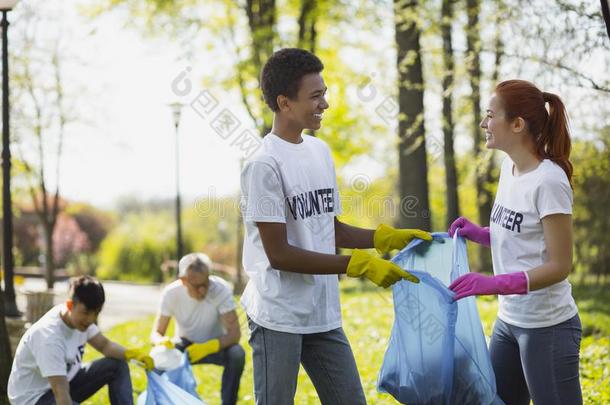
(367, 320)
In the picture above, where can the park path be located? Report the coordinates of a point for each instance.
(124, 301)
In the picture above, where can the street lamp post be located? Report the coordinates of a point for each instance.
(177, 111)
(7, 213)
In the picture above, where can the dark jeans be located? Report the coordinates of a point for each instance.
(327, 358)
(540, 364)
(93, 376)
(232, 359)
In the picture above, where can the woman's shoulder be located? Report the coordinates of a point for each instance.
(551, 171)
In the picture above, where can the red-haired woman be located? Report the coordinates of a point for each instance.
(536, 339)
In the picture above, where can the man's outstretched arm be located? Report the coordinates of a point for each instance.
(384, 238)
(283, 256)
(116, 351)
(286, 257)
(353, 237)
(157, 336)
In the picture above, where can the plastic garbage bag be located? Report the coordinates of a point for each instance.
(166, 358)
(437, 352)
(183, 376)
(176, 386)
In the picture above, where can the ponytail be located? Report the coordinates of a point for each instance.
(554, 141)
(550, 129)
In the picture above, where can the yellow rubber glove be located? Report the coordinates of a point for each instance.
(145, 359)
(379, 271)
(166, 341)
(387, 238)
(198, 351)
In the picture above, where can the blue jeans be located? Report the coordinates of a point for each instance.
(540, 364)
(233, 359)
(93, 376)
(326, 357)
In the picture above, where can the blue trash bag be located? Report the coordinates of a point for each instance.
(172, 387)
(183, 376)
(437, 352)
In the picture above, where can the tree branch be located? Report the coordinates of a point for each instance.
(62, 124)
(240, 71)
(558, 65)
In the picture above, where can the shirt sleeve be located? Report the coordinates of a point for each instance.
(50, 355)
(554, 196)
(262, 193)
(165, 306)
(226, 303)
(92, 330)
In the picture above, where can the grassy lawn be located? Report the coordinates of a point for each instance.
(368, 316)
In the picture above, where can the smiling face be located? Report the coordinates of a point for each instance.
(498, 130)
(306, 110)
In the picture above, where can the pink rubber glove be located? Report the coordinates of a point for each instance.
(470, 231)
(480, 284)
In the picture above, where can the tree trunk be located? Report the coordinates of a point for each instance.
(6, 358)
(413, 180)
(49, 262)
(262, 17)
(473, 41)
(307, 25)
(307, 34)
(451, 180)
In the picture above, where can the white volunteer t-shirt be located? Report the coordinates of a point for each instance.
(48, 348)
(517, 241)
(198, 321)
(293, 184)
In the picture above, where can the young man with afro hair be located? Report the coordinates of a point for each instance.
(290, 206)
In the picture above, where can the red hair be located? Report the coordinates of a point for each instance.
(550, 129)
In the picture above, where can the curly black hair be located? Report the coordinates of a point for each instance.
(89, 291)
(283, 72)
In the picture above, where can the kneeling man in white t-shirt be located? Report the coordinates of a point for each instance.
(206, 322)
(47, 368)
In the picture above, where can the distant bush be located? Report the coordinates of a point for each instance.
(591, 180)
(136, 248)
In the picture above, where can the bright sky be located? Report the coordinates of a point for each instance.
(125, 142)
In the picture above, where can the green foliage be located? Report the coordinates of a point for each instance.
(211, 220)
(593, 301)
(591, 160)
(228, 31)
(595, 370)
(438, 208)
(136, 249)
(146, 15)
(146, 236)
(367, 203)
(346, 133)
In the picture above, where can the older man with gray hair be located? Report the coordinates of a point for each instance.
(206, 322)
